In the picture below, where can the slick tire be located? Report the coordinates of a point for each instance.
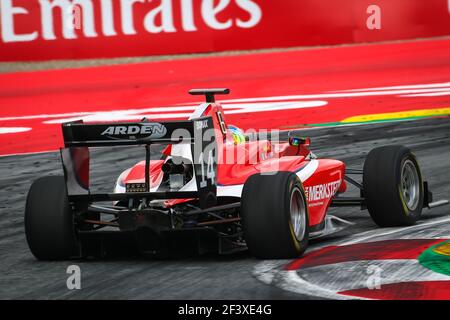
(274, 214)
(393, 186)
(49, 220)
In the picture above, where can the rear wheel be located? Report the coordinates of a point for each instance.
(393, 186)
(49, 220)
(274, 215)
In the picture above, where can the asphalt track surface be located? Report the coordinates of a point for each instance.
(195, 277)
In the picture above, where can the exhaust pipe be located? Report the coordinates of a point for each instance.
(171, 168)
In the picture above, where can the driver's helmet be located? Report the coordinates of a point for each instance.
(238, 134)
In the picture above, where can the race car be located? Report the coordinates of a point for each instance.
(214, 189)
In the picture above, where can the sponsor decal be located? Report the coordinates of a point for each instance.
(61, 18)
(136, 187)
(322, 191)
(151, 130)
(222, 124)
(203, 124)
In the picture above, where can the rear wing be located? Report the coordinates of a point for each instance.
(199, 133)
(78, 134)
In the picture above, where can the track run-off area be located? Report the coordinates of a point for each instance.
(278, 90)
(347, 99)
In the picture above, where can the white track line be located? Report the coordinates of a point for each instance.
(414, 86)
(395, 230)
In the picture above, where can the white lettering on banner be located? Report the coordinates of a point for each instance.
(209, 13)
(255, 13)
(48, 32)
(108, 18)
(76, 14)
(160, 19)
(188, 15)
(126, 7)
(165, 11)
(67, 11)
(322, 191)
(7, 12)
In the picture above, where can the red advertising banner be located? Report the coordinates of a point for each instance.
(77, 29)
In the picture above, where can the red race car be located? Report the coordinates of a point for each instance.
(213, 189)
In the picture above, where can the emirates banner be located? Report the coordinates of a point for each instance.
(77, 29)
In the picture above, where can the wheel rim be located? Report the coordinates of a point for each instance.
(298, 214)
(410, 185)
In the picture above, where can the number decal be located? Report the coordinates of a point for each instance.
(203, 182)
(210, 173)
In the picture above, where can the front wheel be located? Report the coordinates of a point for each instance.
(49, 220)
(393, 186)
(274, 214)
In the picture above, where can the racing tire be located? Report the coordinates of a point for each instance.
(274, 213)
(49, 220)
(393, 186)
